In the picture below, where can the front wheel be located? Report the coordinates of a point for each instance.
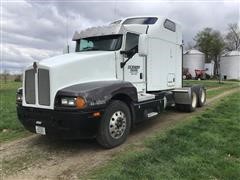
(115, 125)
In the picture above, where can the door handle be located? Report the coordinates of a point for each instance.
(141, 75)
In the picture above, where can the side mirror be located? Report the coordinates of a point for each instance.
(143, 45)
(125, 53)
(66, 49)
(131, 52)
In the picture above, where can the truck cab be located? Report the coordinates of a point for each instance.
(118, 76)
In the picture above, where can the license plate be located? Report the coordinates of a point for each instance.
(40, 130)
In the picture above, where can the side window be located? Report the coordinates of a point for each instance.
(131, 41)
(85, 44)
(169, 25)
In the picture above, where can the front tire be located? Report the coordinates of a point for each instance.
(115, 125)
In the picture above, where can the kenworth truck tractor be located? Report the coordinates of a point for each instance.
(118, 76)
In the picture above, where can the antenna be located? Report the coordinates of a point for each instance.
(67, 34)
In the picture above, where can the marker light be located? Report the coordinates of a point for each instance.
(96, 114)
(80, 103)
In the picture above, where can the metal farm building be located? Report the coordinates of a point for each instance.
(230, 65)
(209, 68)
(193, 60)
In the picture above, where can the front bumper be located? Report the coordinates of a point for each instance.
(63, 124)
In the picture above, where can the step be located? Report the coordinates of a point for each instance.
(151, 114)
(145, 97)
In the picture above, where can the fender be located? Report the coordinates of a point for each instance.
(98, 93)
(183, 95)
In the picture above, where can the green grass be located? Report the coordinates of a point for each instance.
(206, 147)
(214, 88)
(10, 127)
(214, 92)
(212, 83)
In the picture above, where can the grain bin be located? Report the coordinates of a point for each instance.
(230, 65)
(192, 60)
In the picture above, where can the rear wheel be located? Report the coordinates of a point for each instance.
(189, 107)
(115, 125)
(201, 97)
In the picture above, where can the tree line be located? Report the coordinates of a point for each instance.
(213, 44)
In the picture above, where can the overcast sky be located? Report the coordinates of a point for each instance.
(34, 30)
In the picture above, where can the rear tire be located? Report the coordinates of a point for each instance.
(115, 125)
(201, 97)
(189, 107)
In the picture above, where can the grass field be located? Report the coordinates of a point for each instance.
(206, 147)
(214, 88)
(10, 128)
(211, 83)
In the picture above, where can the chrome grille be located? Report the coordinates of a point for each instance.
(30, 87)
(43, 87)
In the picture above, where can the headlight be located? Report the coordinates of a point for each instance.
(78, 102)
(19, 95)
(68, 101)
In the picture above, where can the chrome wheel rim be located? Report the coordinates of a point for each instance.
(117, 125)
(164, 102)
(194, 100)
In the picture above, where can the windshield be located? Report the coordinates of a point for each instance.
(102, 43)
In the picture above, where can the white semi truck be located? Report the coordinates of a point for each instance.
(118, 76)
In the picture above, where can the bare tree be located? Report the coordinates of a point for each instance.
(232, 38)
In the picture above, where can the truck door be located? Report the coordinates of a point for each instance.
(134, 70)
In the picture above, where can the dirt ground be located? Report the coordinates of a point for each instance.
(37, 157)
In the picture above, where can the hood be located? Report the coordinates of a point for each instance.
(72, 57)
(72, 69)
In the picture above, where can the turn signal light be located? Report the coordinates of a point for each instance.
(80, 103)
(96, 114)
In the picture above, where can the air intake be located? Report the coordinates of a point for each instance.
(30, 86)
(43, 87)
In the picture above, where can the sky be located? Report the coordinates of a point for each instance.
(32, 30)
